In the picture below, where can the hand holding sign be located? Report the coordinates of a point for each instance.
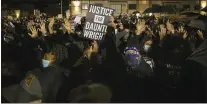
(97, 22)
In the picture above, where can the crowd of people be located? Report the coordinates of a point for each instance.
(139, 60)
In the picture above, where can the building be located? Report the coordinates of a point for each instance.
(128, 6)
(121, 6)
(203, 3)
(182, 5)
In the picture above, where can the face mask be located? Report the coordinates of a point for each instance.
(147, 48)
(45, 63)
(132, 60)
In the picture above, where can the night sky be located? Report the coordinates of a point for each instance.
(47, 6)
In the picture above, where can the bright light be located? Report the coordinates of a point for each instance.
(17, 12)
(77, 10)
(150, 14)
(76, 3)
(138, 15)
(67, 14)
(203, 13)
(203, 4)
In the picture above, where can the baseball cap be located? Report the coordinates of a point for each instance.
(35, 86)
(28, 90)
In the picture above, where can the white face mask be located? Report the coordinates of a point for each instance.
(147, 48)
(45, 63)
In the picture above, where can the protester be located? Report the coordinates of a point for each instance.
(140, 59)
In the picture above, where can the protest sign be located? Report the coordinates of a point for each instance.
(77, 19)
(96, 22)
(60, 16)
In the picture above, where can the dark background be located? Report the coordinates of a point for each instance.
(51, 7)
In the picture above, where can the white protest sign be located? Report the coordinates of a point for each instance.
(77, 19)
(60, 16)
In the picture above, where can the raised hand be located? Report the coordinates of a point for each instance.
(42, 28)
(29, 25)
(181, 29)
(200, 34)
(150, 32)
(140, 27)
(95, 47)
(185, 35)
(182, 32)
(51, 23)
(33, 33)
(67, 25)
(162, 32)
(170, 27)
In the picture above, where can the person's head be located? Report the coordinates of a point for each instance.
(125, 24)
(79, 30)
(48, 59)
(83, 20)
(121, 26)
(132, 56)
(87, 48)
(28, 91)
(111, 19)
(55, 55)
(148, 45)
(90, 47)
(37, 86)
(91, 93)
(10, 68)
